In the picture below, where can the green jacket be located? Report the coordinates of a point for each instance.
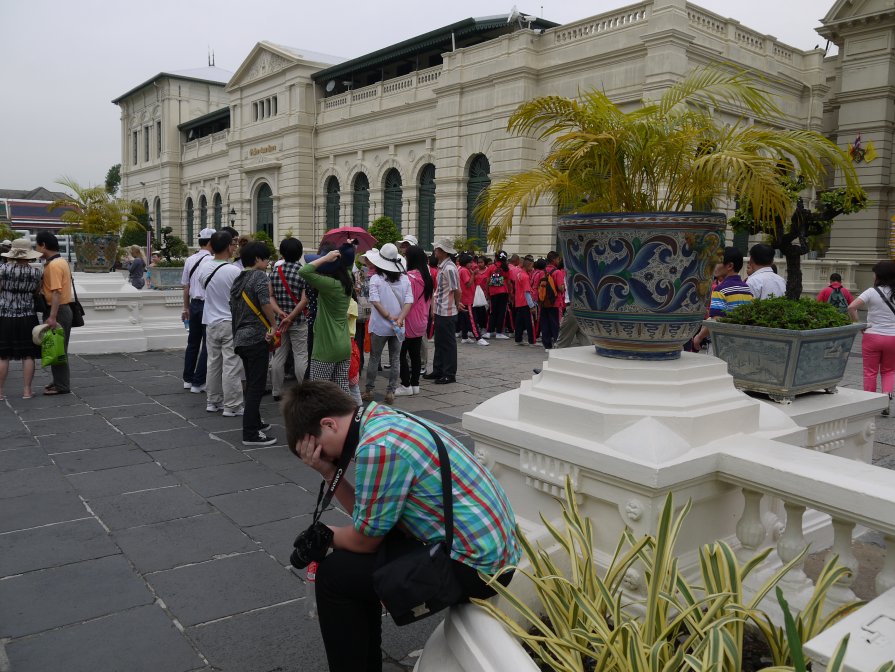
(331, 340)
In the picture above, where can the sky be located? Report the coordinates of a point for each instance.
(63, 61)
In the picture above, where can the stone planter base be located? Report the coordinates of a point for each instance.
(783, 363)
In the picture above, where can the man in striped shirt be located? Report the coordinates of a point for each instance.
(398, 493)
(729, 293)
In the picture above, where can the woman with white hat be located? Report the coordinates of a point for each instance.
(18, 282)
(391, 297)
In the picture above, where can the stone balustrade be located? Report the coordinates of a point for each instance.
(601, 24)
(816, 273)
(207, 146)
(382, 91)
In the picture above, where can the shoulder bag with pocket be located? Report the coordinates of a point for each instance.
(211, 275)
(416, 580)
(77, 310)
(275, 340)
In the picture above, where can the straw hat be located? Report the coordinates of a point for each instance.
(388, 259)
(37, 334)
(20, 248)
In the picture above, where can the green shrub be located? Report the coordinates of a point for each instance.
(383, 229)
(783, 313)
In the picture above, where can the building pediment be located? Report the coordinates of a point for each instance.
(264, 60)
(849, 15)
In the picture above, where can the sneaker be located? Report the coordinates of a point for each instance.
(502, 337)
(389, 397)
(482, 341)
(386, 365)
(234, 414)
(457, 335)
(214, 408)
(266, 426)
(485, 335)
(187, 385)
(197, 389)
(367, 396)
(260, 439)
(404, 391)
(416, 389)
(467, 340)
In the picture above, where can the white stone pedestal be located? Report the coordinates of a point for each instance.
(120, 318)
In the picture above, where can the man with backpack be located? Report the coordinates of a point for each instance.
(195, 356)
(551, 287)
(836, 295)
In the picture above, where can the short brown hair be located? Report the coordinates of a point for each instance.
(304, 405)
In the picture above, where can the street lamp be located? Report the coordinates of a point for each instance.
(233, 217)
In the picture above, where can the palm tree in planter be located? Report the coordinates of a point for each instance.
(790, 235)
(96, 221)
(627, 184)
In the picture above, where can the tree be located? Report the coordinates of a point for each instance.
(94, 210)
(790, 235)
(666, 155)
(113, 179)
(173, 249)
(383, 229)
(7, 233)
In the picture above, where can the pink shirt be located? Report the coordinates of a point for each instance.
(522, 284)
(467, 287)
(415, 321)
(559, 278)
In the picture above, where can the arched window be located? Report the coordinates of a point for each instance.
(427, 207)
(264, 208)
(203, 212)
(158, 219)
(478, 181)
(393, 193)
(332, 203)
(218, 211)
(189, 222)
(360, 211)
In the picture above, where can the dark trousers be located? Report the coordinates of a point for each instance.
(61, 372)
(254, 360)
(498, 313)
(195, 359)
(466, 324)
(411, 361)
(350, 612)
(311, 349)
(359, 335)
(481, 317)
(523, 323)
(549, 326)
(444, 362)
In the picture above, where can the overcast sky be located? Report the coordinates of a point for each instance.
(63, 61)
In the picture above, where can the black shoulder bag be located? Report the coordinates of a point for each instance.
(888, 302)
(77, 310)
(416, 580)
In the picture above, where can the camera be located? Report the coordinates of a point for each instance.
(311, 545)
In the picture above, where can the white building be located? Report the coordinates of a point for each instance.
(296, 142)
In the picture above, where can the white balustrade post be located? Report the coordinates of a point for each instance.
(841, 592)
(750, 531)
(796, 585)
(886, 577)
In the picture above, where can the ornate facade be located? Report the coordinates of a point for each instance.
(297, 142)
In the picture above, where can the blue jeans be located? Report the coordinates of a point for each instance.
(195, 359)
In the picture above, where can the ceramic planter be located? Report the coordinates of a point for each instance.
(166, 277)
(783, 363)
(640, 283)
(95, 253)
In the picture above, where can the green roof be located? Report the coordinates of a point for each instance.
(223, 113)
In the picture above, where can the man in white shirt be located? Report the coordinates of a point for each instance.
(194, 359)
(216, 275)
(762, 280)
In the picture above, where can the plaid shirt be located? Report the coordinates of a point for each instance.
(296, 284)
(447, 283)
(398, 483)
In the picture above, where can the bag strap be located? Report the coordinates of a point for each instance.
(196, 265)
(208, 279)
(888, 302)
(351, 441)
(286, 284)
(255, 310)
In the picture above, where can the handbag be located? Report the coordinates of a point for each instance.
(275, 336)
(40, 303)
(416, 580)
(77, 310)
(479, 300)
(52, 348)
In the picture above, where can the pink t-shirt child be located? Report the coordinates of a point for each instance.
(416, 320)
(467, 287)
(521, 284)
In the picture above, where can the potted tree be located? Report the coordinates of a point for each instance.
(784, 348)
(96, 220)
(168, 272)
(635, 188)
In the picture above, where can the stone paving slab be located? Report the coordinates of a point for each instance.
(96, 459)
(138, 640)
(226, 478)
(119, 480)
(53, 546)
(13, 459)
(194, 457)
(148, 506)
(263, 505)
(40, 508)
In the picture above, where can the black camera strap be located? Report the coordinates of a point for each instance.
(325, 496)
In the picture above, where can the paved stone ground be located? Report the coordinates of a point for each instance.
(137, 533)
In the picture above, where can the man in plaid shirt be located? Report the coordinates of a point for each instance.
(446, 305)
(289, 292)
(397, 493)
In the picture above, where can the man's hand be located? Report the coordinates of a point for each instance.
(309, 452)
(461, 307)
(184, 315)
(51, 322)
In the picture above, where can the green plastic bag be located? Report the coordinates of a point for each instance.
(52, 348)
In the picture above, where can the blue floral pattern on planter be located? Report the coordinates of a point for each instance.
(95, 253)
(640, 283)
